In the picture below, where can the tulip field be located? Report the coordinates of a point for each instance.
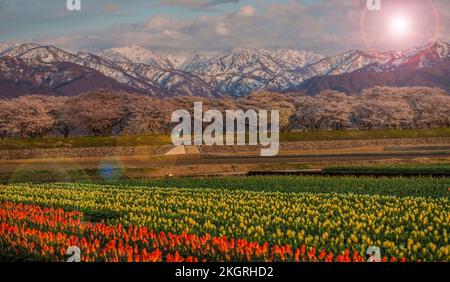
(118, 222)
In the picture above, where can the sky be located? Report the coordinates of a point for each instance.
(322, 26)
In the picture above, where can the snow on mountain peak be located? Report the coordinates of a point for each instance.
(419, 57)
(138, 54)
(5, 46)
(295, 58)
(236, 72)
(441, 49)
(18, 50)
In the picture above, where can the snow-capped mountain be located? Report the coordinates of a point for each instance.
(237, 72)
(428, 65)
(182, 60)
(243, 70)
(50, 54)
(262, 68)
(138, 55)
(422, 57)
(151, 79)
(4, 46)
(25, 76)
(355, 82)
(177, 82)
(347, 62)
(141, 77)
(294, 58)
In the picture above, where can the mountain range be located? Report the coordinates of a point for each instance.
(36, 69)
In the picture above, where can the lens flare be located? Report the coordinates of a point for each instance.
(400, 25)
(111, 169)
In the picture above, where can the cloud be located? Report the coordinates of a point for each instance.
(111, 8)
(221, 29)
(197, 3)
(158, 22)
(246, 11)
(324, 26)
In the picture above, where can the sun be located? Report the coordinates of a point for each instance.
(400, 25)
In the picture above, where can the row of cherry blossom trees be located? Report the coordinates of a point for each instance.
(107, 113)
(379, 107)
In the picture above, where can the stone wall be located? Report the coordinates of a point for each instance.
(329, 145)
(161, 150)
(83, 152)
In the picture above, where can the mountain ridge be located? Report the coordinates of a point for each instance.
(237, 72)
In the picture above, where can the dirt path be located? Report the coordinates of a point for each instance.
(204, 159)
